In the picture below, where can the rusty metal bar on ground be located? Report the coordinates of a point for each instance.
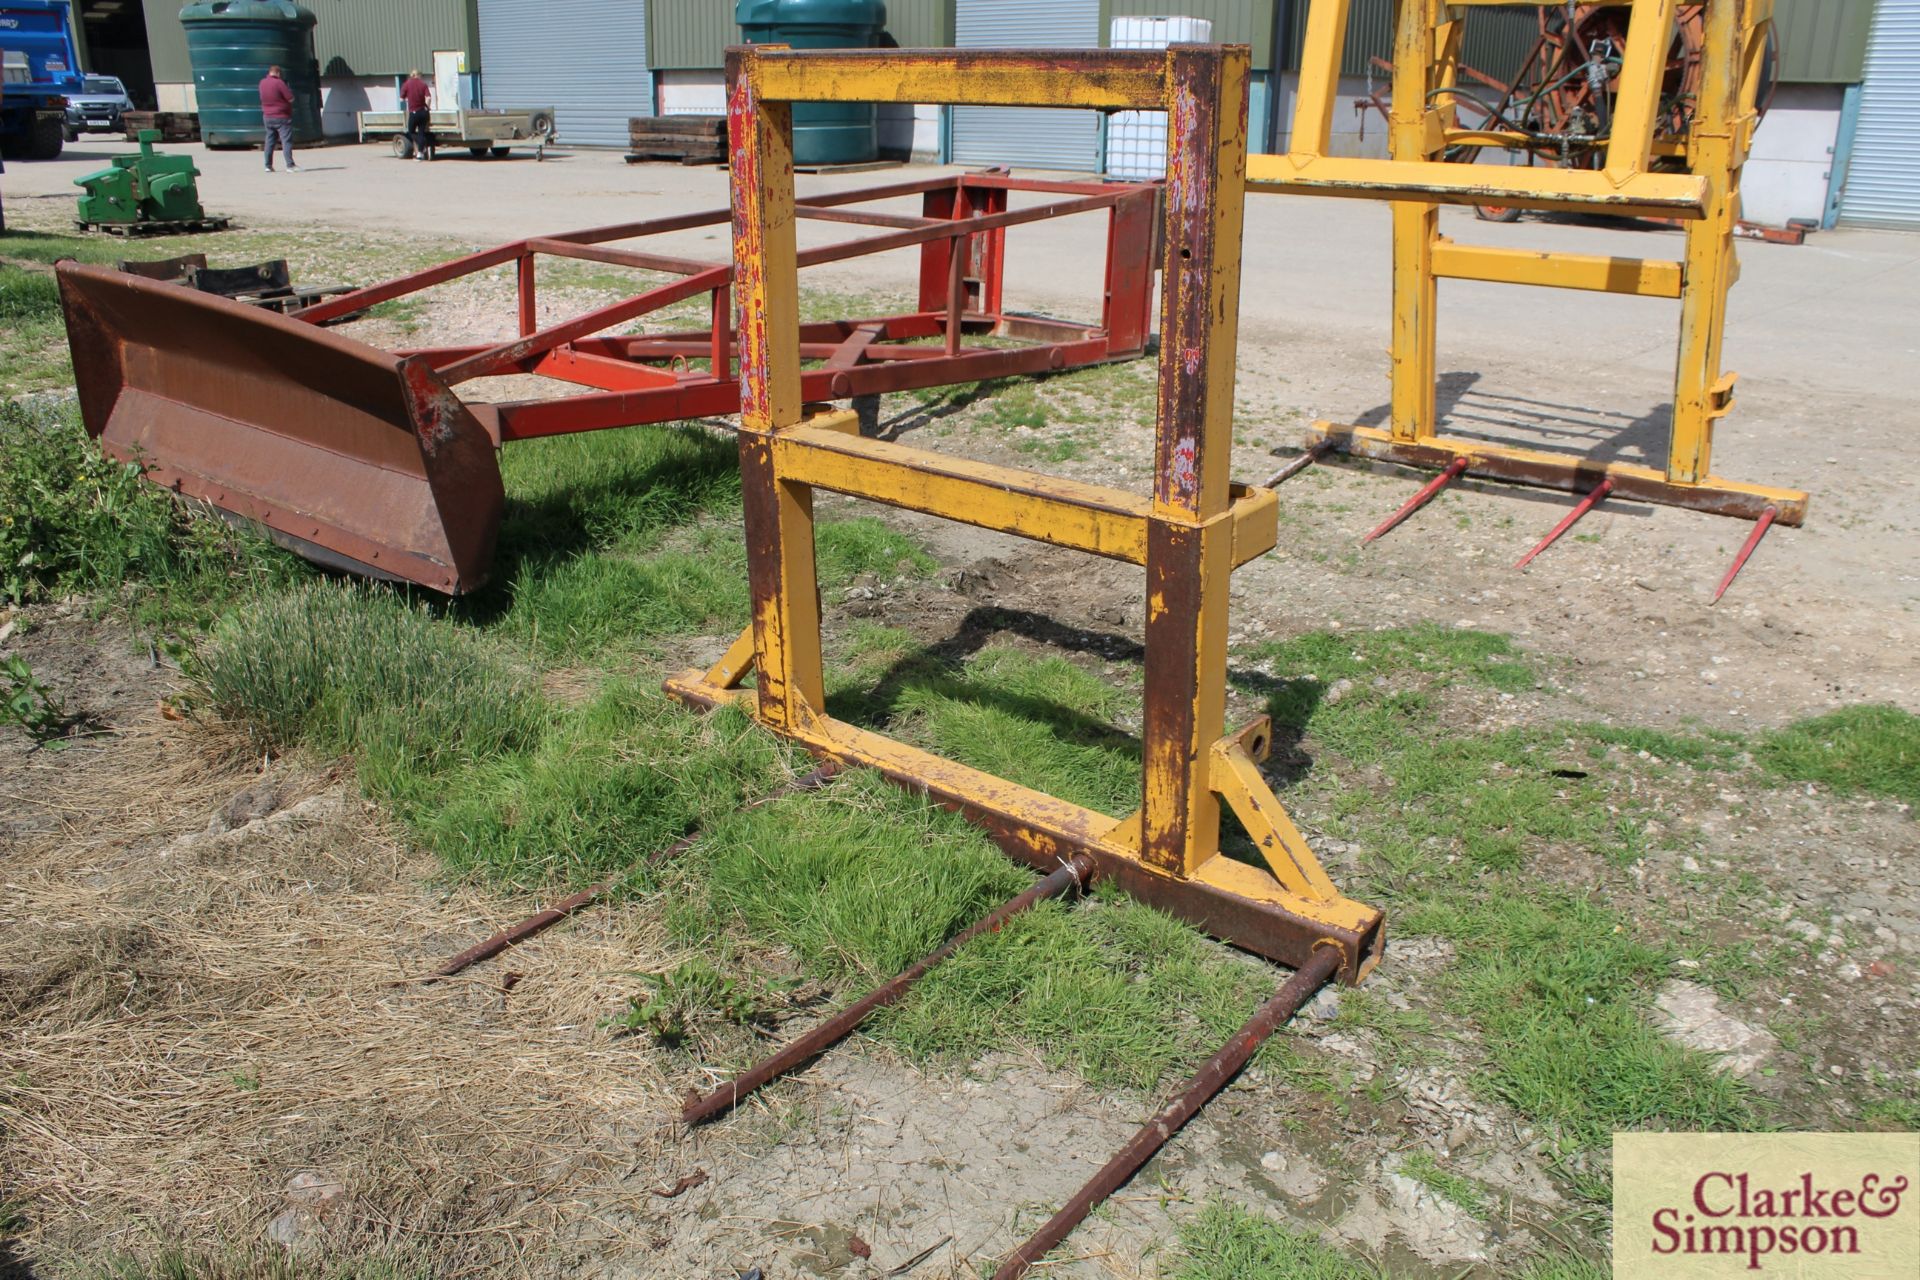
(1572, 517)
(544, 919)
(1760, 528)
(1206, 1082)
(367, 460)
(1313, 454)
(1453, 472)
(1075, 874)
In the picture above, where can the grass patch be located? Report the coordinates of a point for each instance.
(74, 521)
(1556, 984)
(1039, 721)
(356, 668)
(607, 785)
(861, 880)
(1225, 1242)
(253, 1263)
(1872, 749)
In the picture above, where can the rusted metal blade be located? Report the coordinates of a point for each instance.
(1454, 470)
(1074, 873)
(1580, 508)
(1760, 528)
(352, 456)
(1157, 1132)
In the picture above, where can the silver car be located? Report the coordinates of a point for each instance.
(97, 107)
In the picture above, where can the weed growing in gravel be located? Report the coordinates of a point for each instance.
(676, 1001)
(1875, 749)
(25, 701)
(1225, 1242)
(1449, 1186)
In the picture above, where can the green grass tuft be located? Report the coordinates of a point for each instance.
(1557, 985)
(27, 296)
(849, 548)
(1870, 748)
(1461, 1191)
(74, 520)
(1225, 1242)
(355, 668)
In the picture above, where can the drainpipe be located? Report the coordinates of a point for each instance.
(1277, 142)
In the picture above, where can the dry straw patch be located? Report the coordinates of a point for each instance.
(190, 1019)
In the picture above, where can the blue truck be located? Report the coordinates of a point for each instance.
(41, 68)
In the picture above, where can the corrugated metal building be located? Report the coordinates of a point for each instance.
(587, 59)
(364, 47)
(1881, 122)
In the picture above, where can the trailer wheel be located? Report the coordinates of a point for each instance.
(480, 151)
(402, 146)
(49, 135)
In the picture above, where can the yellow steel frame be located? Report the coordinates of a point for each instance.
(1706, 197)
(1189, 533)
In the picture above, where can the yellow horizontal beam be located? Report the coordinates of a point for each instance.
(1103, 79)
(1066, 513)
(1663, 195)
(1641, 277)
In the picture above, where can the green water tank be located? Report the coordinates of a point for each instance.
(823, 132)
(232, 43)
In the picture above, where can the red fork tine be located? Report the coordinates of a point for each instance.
(1585, 505)
(1760, 528)
(1454, 471)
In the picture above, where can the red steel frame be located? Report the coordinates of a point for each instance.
(961, 233)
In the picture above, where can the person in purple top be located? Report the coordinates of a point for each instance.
(276, 110)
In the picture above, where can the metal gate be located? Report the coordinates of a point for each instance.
(1031, 137)
(587, 59)
(1883, 180)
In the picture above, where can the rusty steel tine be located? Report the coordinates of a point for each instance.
(1580, 508)
(1295, 467)
(1454, 470)
(1075, 872)
(1760, 528)
(550, 916)
(1157, 1132)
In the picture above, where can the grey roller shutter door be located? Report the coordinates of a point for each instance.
(1033, 138)
(587, 59)
(1883, 179)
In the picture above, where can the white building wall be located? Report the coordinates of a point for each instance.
(1786, 173)
(691, 93)
(343, 98)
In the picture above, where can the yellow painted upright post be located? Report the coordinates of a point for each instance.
(1715, 150)
(778, 514)
(1416, 294)
(1189, 537)
(1319, 87)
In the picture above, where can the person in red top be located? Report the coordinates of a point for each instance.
(276, 111)
(417, 95)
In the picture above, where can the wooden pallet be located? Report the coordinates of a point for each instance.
(183, 227)
(665, 156)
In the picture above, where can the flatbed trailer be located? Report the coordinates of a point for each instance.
(481, 133)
